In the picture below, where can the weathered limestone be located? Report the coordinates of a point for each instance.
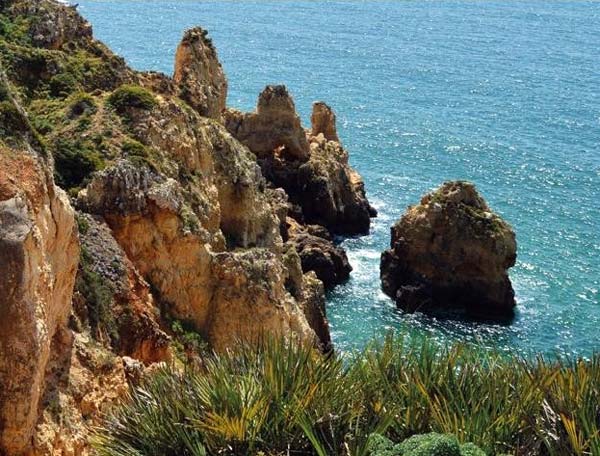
(274, 129)
(38, 256)
(451, 252)
(323, 122)
(312, 169)
(199, 75)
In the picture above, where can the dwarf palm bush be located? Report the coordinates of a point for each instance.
(281, 398)
(274, 397)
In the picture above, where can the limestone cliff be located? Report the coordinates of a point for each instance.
(451, 252)
(173, 235)
(38, 257)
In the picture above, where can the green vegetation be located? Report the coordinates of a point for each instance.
(75, 161)
(81, 103)
(431, 444)
(11, 120)
(98, 296)
(15, 29)
(83, 226)
(62, 85)
(187, 341)
(131, 96)
(285, 399)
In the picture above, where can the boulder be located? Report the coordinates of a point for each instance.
(319, 254)
(451, 252)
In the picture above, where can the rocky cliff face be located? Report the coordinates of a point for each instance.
(312, 168)
(451, 252)
(199, 75)
(173, 235)
(38, 257)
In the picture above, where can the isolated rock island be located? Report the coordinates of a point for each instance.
(451, 252)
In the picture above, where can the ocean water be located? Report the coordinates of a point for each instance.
(504, 94)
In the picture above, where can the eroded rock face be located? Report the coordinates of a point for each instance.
(39, 254)
(131, 324)
(451, 252)
(199, 75)
(313, 170)
(323, 122)
(53, 26)
(274, 128)
(177, 232)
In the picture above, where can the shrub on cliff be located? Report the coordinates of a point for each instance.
(11, 120)
(98, 296)
(131, 96)
(74, 161)
(62, 85)
(278, 398)
(431, 444)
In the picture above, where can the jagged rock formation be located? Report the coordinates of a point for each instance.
(199, 75)
(323, 122)
(318, 253)
(275, 127)
(451, 252)
(313, 170)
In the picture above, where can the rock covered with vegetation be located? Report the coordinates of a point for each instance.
(451, 252)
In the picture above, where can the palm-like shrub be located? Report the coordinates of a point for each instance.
(281, 398)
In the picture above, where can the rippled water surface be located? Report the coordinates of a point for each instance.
(506, 95)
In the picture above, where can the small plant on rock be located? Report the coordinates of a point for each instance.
(131, 96)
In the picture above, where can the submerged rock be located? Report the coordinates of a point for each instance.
(451, 252)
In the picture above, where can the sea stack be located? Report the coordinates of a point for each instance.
(451, 252)
(309, 164)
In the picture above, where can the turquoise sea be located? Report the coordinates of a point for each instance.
(505, 94)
